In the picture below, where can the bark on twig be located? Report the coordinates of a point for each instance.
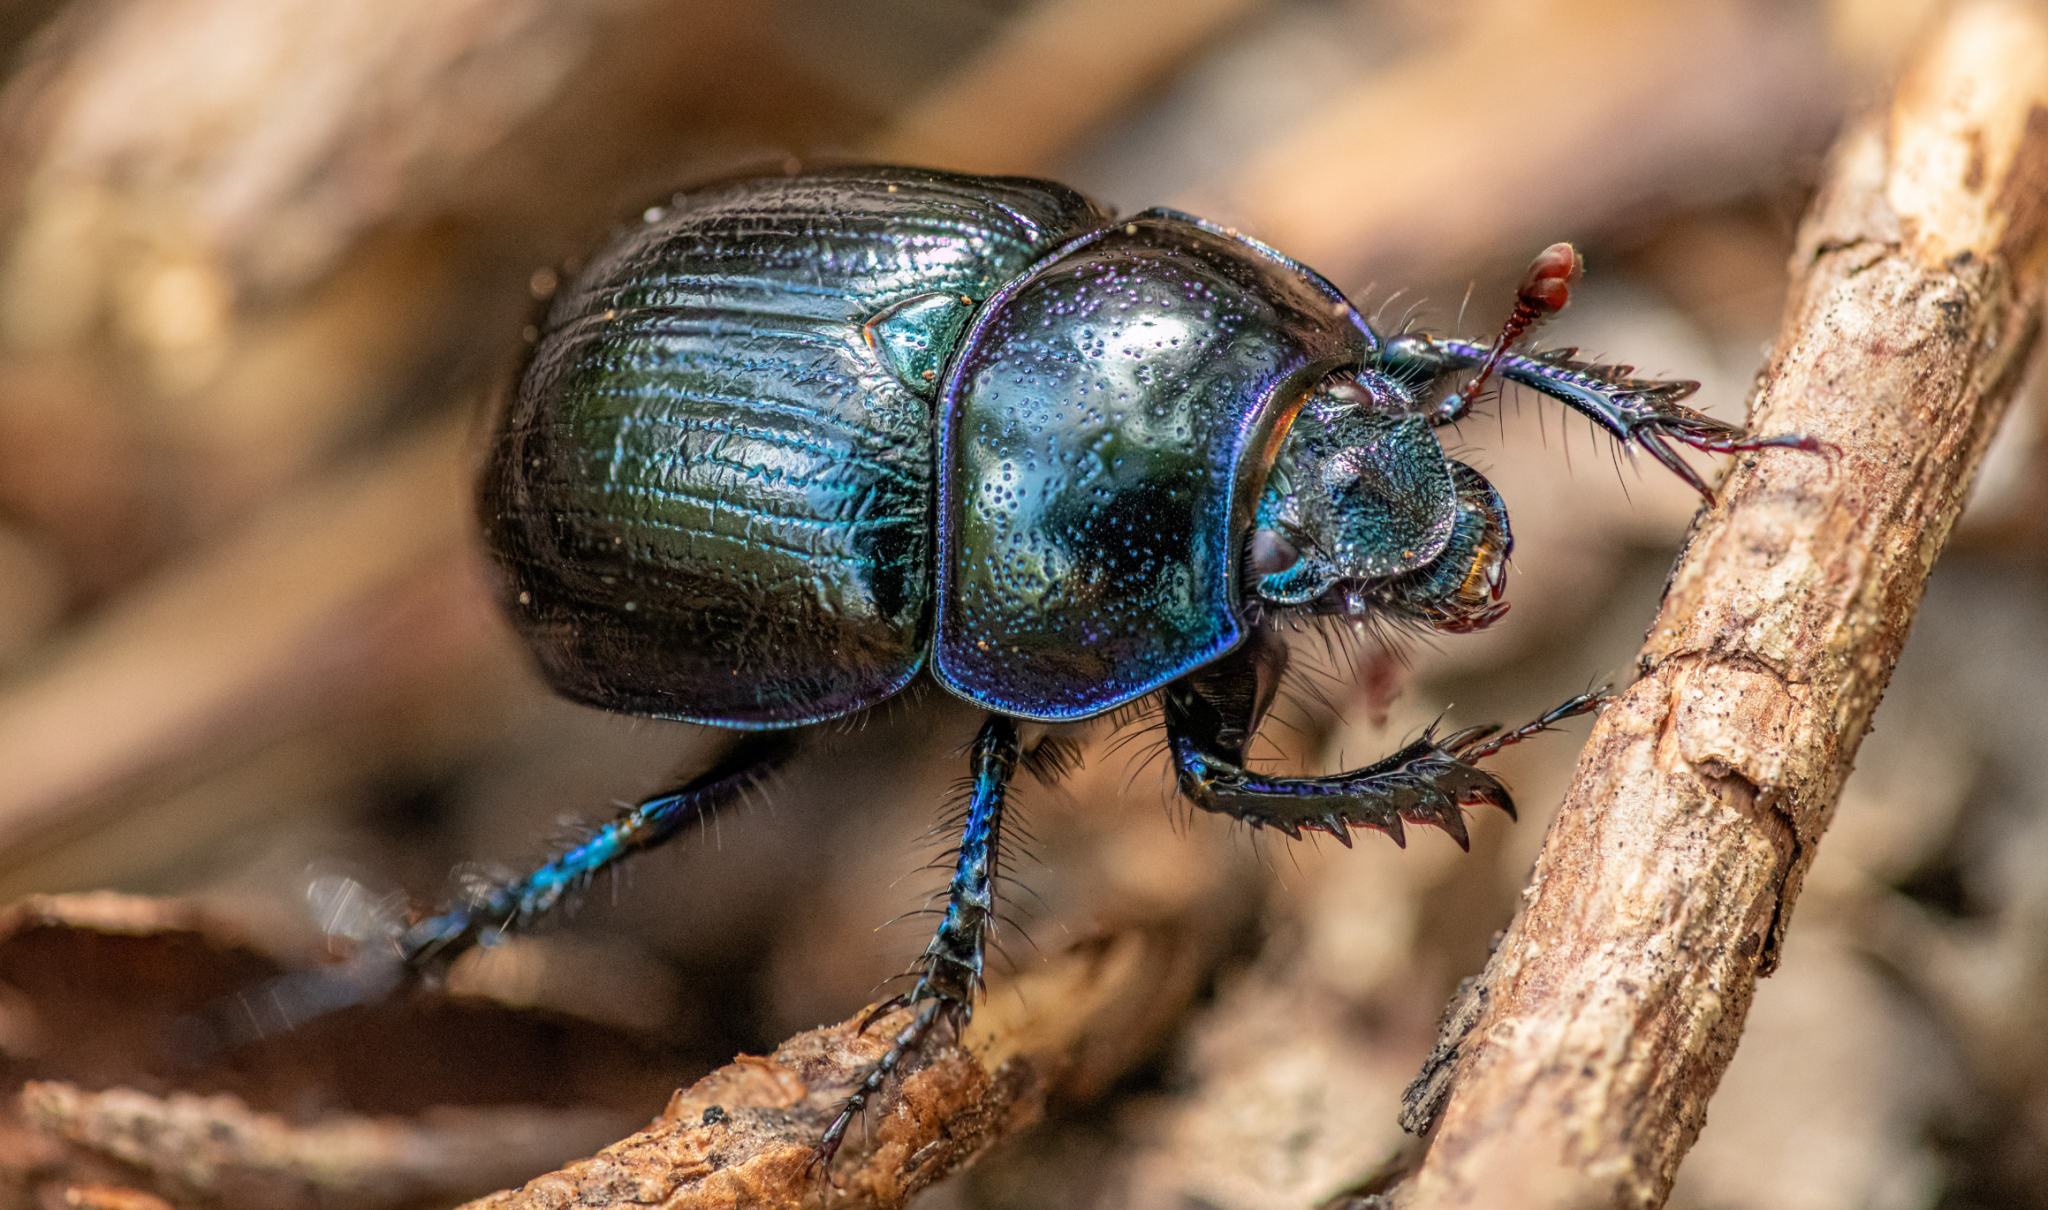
(745, 1134)
(97, 990)
(1615, 1000)
(201, 1144)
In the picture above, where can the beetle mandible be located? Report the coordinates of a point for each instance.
(793, 440)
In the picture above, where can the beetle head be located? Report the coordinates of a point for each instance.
(1364, 515)
(1461, 590)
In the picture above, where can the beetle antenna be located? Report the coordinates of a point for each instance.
(1544, 291)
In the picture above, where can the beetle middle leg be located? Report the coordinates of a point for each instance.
(949, 972)
(1212, 714)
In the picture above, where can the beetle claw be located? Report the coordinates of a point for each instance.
(879, 1011)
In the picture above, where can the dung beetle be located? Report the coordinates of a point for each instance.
(792, 440)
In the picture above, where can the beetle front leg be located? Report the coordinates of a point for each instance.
(1641, 413)
(949, 972)
(1428, 782)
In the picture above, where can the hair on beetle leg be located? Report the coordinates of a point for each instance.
(1139, 727)
(1135, 710)
(1002, 927)
(1274, 719)
(1145, 745)
(346, 910)
(1406, 325)
(1053, 759)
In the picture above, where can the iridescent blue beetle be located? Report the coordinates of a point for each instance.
(793, 440)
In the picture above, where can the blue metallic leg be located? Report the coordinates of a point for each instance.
(511, 906)
(949, 973)
(1212, 714)
(289, 1001)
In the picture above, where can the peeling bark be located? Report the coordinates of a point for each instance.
(1614, 1002)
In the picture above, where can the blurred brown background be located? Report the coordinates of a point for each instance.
(263, 264)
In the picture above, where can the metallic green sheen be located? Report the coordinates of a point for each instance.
(710, 497)
(1110, 423)
(916, 336)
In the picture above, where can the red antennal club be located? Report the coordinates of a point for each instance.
(1544, 291)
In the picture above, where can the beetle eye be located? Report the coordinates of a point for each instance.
(1271, 554)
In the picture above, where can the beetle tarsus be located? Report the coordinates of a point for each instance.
(906, 1043)
(949, 972)
(1480, 747)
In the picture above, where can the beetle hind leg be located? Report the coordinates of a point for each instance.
(949, 973)
(514, 904)
(430, 945)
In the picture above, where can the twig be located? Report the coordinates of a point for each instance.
(1055, 73)
(1538, 122)
(1577, 1070)
(746, 1133)
(201, 1144)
